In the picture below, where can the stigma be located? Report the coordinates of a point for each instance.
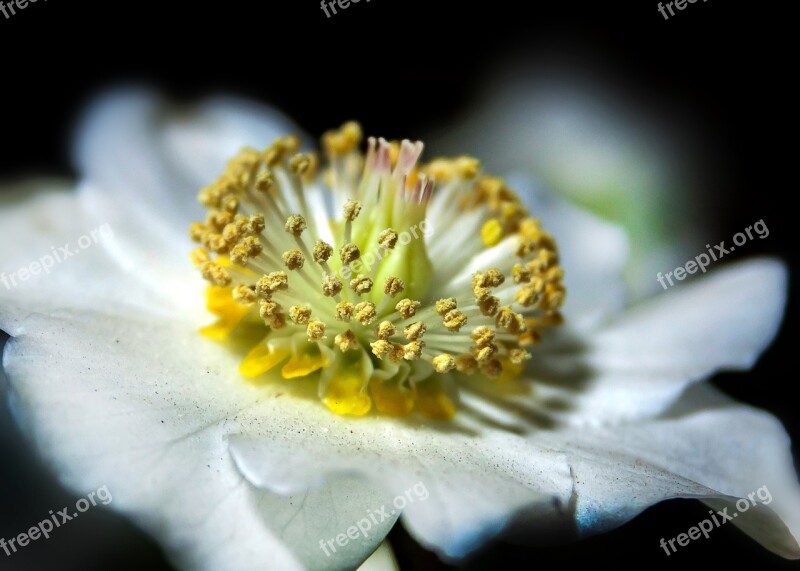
(381, 279)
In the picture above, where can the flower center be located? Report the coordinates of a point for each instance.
(367, 280)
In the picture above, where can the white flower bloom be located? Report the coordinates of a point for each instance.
(115, 386)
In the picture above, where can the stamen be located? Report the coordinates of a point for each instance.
(457, 324)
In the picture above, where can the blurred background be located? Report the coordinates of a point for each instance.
(676, 129)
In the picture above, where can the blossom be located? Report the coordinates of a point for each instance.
(115, 386)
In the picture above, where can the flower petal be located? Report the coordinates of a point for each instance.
(142, 164)
(54, 256)
(708, 447)
(457, 485)
(154, 158)
(145, 408)
(637, 365)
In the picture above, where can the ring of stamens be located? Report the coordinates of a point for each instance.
(307, 277)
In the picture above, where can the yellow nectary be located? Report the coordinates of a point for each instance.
(344, 271)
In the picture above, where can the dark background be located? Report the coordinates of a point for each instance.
(404, 67)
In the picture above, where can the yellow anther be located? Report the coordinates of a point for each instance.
(492, 368)
(231, 205)
(467, 167)
(313, 167)
(349, 253)
(270, 283)
(299, 164)
(264, 181)
(252, 246)
(361, 284)
(512, 212)
(454, 320)
(248, 248)
(492, 232)
(315, 330)
(295, 224)
(518, 356)
(489, 305)
(443, 363)
(346, 341)
(482, 336)
(289, 144)
(218, 219)
(397, 355)
(293, 259)
(245, 295)
(440, 169)
(197, 230)
(407, 308)
(256, 224)
(385, 330)
(272, 155)
(216, 274)
(528, 338)
(365, 312)
(234, 231)
(483, 354)
(268, 309)
(331, 286)
(530, 228)
(393, 286)
(444, 306)
(216, 243)
(351, 209)
(509, 320)
(414, 331)
(382, 348)
(528, 295)
(344, 140)
(299, 314)
(199, 256)
(278, 321)
(481, 293)
(554, 274)
(520, 274)
(209, 197)
(466, 364)
(387, 239)
(413, 351)
(344, 311)
(494, 277)
(322, 251)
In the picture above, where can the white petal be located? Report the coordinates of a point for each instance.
(709, 448)
(382, 560)
(639, 364)
(456, 487)
(146, 408)
(54, 255)
(155, 157)
(142, 164)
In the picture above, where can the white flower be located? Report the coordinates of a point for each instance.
(116, 388)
